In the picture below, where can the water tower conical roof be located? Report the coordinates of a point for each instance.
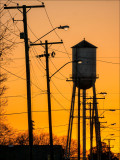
(84, 44)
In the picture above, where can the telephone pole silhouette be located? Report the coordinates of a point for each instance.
(24, 36)
(46, 55)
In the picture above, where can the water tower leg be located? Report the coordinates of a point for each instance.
(84, 124)
(78, 123)
(91, 131)
(70, 122)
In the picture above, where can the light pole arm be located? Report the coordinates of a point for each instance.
(64, 66)
(60, 69)
(45, 34)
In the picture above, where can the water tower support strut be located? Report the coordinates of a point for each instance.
(84, 124)
(70, 122)
(79, 123)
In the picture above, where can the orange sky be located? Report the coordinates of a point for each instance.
(98, 23)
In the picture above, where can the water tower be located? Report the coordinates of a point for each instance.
(84, 74)
(83, 77)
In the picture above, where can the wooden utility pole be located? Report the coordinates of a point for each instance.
(78, 123)
(49, 99)
(48, 91)
(24, 36)
(97, 125)
(84, 124)
(91, 132)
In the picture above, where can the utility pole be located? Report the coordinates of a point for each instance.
(84, 124)
(79, 122)
(97, 124)
(49, 99)
(48, 91)
(24, 36)
(91, 133)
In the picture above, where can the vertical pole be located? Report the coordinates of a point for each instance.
(97, 125)
(91, 142)
(72, 115)
(78, 123)
(84, 124)
(28, 81)
(70, 123)
(109, 149)
(49, 100)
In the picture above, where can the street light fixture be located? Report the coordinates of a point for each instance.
(63, 27)
(111, 110)
(60, 27)
(113, 124)
(109, 125)
(104, 93)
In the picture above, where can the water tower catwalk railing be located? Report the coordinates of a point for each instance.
(84, 77)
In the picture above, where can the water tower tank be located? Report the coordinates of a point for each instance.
(84, 74)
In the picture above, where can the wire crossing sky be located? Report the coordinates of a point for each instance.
(98, 23)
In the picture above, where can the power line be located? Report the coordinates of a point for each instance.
(34, 74)
(34, 51)
(32, 31)
(51, 23)
(14, 96)
(21, 78)
(13, 20)
(60, 104)
(57, 69)
(12, 73)
(55, 31)
(8, 1)
(54, 110)
(12, 41)
(60, 92)
(10, 30)
(54, 126)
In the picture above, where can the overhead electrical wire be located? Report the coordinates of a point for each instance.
(38, 60)
(59, 91)
(8, 1)
(34, 75)
(14, 96)
(55, 31)
(21, 78)
(14, 42)
(10, 30)
(7, 114)
(59, 72)
(13, 20)
(59, 103)
(32, 31)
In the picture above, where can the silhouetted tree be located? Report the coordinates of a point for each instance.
(6, 47)
(43, 139)
(105, 153)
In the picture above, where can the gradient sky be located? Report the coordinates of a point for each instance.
(98, 23)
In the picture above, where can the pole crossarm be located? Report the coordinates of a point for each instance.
(35, 44)
(109, 139)
(18, 7)
(93, 98)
